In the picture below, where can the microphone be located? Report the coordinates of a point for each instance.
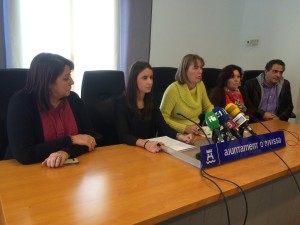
(232, 127)
(239, 117)
(196, 125)
(213, 123)
(222, 115)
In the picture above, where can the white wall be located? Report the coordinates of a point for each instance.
(217, 30)
(209, 28)
(277, 24)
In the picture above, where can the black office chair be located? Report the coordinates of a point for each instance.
(99, 91)
(11, 80)
(162, 78)
(249, 74)
(209, 78)
(293, 115)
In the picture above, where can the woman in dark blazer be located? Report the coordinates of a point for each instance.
(46, 121)
(138, 118)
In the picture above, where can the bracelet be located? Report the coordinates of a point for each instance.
(145, 144)
(177, 135)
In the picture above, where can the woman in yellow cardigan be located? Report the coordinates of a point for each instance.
(187, 96)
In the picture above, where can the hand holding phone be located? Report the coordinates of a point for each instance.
(71, 161)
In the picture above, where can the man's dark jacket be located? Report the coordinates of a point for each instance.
(254, 89)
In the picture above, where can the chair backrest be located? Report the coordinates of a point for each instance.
(249, 74)
(162, 78)
(209, 78)
(99, 91)
(11, 80)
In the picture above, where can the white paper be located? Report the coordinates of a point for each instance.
(172, 143)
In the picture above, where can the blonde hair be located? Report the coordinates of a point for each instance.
(187, 60)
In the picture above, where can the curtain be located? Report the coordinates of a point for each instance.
(131, 30)
(134, 32)
(83, 31)
(2, 40)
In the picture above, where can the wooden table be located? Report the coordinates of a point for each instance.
(122, 184)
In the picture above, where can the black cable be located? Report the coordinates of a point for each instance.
(293, 134)
(257, 120)
(221, 192)
(198, 125)
(286, 163)
(289, 169)
(239, 187)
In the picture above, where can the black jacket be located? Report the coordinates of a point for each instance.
(25, 130)
(130, 128)
(254, 88)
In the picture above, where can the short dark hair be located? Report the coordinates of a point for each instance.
(131, 90)
(227, 73)
(270, 64)
(186, 61)
(44, 70)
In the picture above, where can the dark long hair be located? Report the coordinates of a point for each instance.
(44, 70)
(131, 90)
(227, 73)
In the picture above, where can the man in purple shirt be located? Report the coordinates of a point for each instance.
(271, 93)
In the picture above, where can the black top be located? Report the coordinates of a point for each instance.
(130, 128)
(25, 130)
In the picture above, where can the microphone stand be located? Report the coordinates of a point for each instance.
(196, 125)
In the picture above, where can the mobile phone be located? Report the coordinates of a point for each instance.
(71, 161)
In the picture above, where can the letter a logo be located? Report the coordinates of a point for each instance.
(209, 156)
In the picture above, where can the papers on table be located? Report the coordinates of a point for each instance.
(172, 143)
(177, 149)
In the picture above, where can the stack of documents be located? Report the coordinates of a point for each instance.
(177, 148)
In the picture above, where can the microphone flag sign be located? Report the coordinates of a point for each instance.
(222, 152)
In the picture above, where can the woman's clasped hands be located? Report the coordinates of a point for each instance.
(84, 139)
(186, 138)
(193, 129)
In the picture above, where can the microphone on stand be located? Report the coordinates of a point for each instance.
(222, 115)
(212, 122)
(196, 125)
(239, 117)
(232, 127)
